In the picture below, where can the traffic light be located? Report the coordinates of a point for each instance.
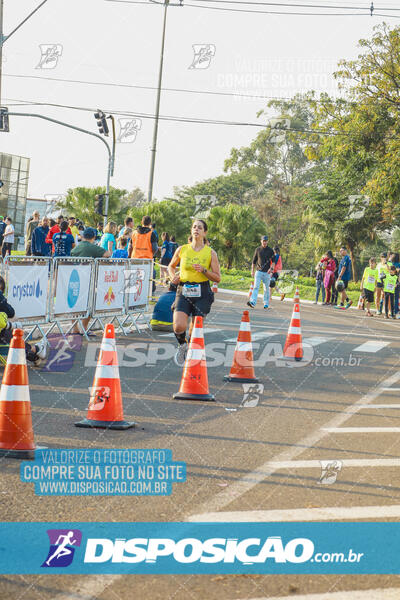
(4, 125)
(101, 122)
(99, 204)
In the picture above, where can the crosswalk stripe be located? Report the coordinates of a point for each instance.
(380, 406)
(316, 341)
(329, 513)
(362, 429)
(371, 346)
(381, 593)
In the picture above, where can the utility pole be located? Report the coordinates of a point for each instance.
(155, 131)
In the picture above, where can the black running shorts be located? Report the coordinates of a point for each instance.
(197, 307)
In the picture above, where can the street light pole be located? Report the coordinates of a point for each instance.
(155, 131)
(110, 154)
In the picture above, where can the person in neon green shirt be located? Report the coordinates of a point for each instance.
(390, 283)
(383, 270)
(368, 283)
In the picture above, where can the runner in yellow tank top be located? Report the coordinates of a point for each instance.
(198, 266)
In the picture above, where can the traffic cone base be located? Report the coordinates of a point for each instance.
(105, 409)
(194, 382)
(241, 379)
(242, 369)
(202, 397)
(23, 454)
(105, 424)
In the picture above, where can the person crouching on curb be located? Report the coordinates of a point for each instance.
(263, 259)
(35, 353)
(368, 284)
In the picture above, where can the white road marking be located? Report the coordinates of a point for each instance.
(224, 301)
(381, 406)
(377, 594)
(346, 462)
(333, 513)
(316, 341)
(205, 331)
(259, 335)
(253, 478)
(371, 346)
(362, 429)
(391, 389)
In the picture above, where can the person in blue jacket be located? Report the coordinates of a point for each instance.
(38, 243)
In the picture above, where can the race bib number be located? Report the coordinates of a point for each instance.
(390, 287)
(191, 290)
(371, 279)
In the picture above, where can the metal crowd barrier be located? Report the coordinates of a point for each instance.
(54, 291)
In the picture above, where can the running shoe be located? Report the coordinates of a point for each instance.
(250, 304)
(266, 306)
(43, 349)
(180, 354)
(350, 302)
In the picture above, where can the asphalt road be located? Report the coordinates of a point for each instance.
(257, 462)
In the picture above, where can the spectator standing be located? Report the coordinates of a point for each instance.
(8, 240)
(73, 226)
(88, 249)
(329, 276)
(390, 282)
(63, 242)
(394, 259)
(174, 245)
(30, 228)
(38, 244)
(2, 230)
(166, 256)
(55, 229)
(383, 270)
(99, 232)
(144, 243)
(261, 270)
(78, 237)
(345, 276)
(108, 241)
(128, 224)
(122, 250)
(319, 283)
(153, 227)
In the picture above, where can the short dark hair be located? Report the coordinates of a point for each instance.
(123, 241)
(153, 225)
(9, 219)
(172, 238)
(60, 217)
(64, 226)
(276, 249)
(128, 220)
(146, 221)
(69, 218)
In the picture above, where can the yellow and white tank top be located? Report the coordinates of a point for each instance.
(189, 257)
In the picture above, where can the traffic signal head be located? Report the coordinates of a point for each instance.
(99, 204)
(101, 122)
(4, 125)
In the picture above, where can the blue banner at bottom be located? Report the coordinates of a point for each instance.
(200, 548)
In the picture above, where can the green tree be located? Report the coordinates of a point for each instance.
(169, 216)
(234, 232)
(79, 202)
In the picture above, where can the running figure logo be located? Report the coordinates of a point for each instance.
(62, 547)
(128, 129)
(251, 394)
(330, 469)
(203, 53)
(50, 53)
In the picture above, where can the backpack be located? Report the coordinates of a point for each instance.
(169, 250)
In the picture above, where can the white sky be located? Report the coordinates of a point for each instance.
(272, 55)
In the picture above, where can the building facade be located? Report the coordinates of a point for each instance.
(14, 175)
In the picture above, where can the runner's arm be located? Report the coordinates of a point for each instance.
(175, 279)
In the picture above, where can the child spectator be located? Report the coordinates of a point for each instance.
(394, 259)
(368, 284)
(383, 270)
(122, 250)
(319, 282)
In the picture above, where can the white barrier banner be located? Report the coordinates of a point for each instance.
(72, 291)
(110, 287)
(28, 289)
(139, 279)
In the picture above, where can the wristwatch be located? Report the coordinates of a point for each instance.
(204, 270)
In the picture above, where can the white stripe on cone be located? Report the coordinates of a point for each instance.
(16, 356)
(107, 372)
(197, 333)
(14, 393)
(294, 330)
(243, 346)
(108, 345)
(196, 354)
(244, 326)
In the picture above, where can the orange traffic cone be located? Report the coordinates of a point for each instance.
(214, 287)
(16, 433)
(296, 298)
(105, 404)
(251, 289)
(242, 369)
(294, 345)
(194, 383)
